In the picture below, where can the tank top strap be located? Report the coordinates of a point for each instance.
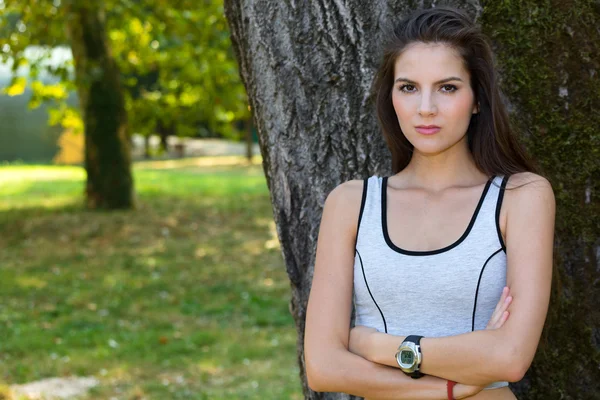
(486, 223)
(369, 220)
(488, 218)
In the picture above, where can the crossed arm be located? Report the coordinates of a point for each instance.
(381, 347)
(474, 359)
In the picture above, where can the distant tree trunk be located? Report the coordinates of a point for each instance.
(249, 143)
(165, 130)
(107, 148)
(307, 68)
(147, 154)
(163, 134)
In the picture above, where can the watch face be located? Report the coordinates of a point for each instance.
(407, 357)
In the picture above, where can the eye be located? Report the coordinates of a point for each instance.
(452, 88)
(402, 88)
(411, 88)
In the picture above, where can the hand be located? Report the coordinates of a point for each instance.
(358, 342)
(501, 313)
(461, 391)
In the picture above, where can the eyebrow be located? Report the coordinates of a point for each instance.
(451, 78)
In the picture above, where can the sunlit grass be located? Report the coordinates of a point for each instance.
(184, 297)
(29, 186)
(32, 173)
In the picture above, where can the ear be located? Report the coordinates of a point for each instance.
(476, 108)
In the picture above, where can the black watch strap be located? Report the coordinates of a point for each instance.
(416, 339)
(417, 375)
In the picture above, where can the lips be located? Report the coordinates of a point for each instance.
(427, 129)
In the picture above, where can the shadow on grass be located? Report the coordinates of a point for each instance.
(185, 296)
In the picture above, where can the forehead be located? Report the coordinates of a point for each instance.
(429, 61)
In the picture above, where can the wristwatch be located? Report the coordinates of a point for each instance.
(409, 356)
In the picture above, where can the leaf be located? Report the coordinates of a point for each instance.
(17, 86)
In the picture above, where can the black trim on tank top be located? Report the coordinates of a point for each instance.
(498, 207)
(371, 294)
(477, 290)
(427, 252)
(362, 208)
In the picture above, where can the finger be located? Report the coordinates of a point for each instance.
(503, 319)
(502, 297)
(502, 303)
(499, 309)
(504, 307)
(499, 312)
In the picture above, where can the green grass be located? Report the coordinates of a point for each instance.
(185, 297)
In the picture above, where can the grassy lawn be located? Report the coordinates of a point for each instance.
(185, 297)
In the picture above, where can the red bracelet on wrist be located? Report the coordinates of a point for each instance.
(450, 386)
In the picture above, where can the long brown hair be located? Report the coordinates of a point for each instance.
(492, 140)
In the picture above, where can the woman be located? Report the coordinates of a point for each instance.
(464, 218)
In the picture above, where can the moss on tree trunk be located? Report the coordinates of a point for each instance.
(548, 57)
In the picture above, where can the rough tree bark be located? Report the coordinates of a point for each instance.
(307, 68)
(107, 149)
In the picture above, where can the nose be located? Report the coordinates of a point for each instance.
(427, 106)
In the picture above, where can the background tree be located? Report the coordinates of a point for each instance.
(178, 71)
(308, 68)
(182, 78)
(107, 155)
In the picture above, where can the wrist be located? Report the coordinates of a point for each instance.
(382, 348)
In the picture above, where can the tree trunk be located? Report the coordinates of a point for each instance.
(164, 130)
(147, 154)
(308, 67)
(107, 148)
(307, 70)
(551, 79)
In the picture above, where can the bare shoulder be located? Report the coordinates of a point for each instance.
(529, 191)
(347, 194)
(529, 183)
(343, 204)
(528, 179)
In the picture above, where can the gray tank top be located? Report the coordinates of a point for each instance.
(436, 293)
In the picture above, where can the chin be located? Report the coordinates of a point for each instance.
(427, 146)
(430, 152)
(430, 148)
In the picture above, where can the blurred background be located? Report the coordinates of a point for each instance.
(139, 222)
(180, 292)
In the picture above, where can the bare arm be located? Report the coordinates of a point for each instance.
(481, 357)
(330, 366)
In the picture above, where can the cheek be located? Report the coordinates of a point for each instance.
(395, 103)
(460, 106)
(401, 105)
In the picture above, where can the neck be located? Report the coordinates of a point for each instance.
(454, 166)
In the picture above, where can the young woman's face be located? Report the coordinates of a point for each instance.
(432, 87)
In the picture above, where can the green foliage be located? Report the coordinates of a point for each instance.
(180, 67)
(185, 297)
(175, 57)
